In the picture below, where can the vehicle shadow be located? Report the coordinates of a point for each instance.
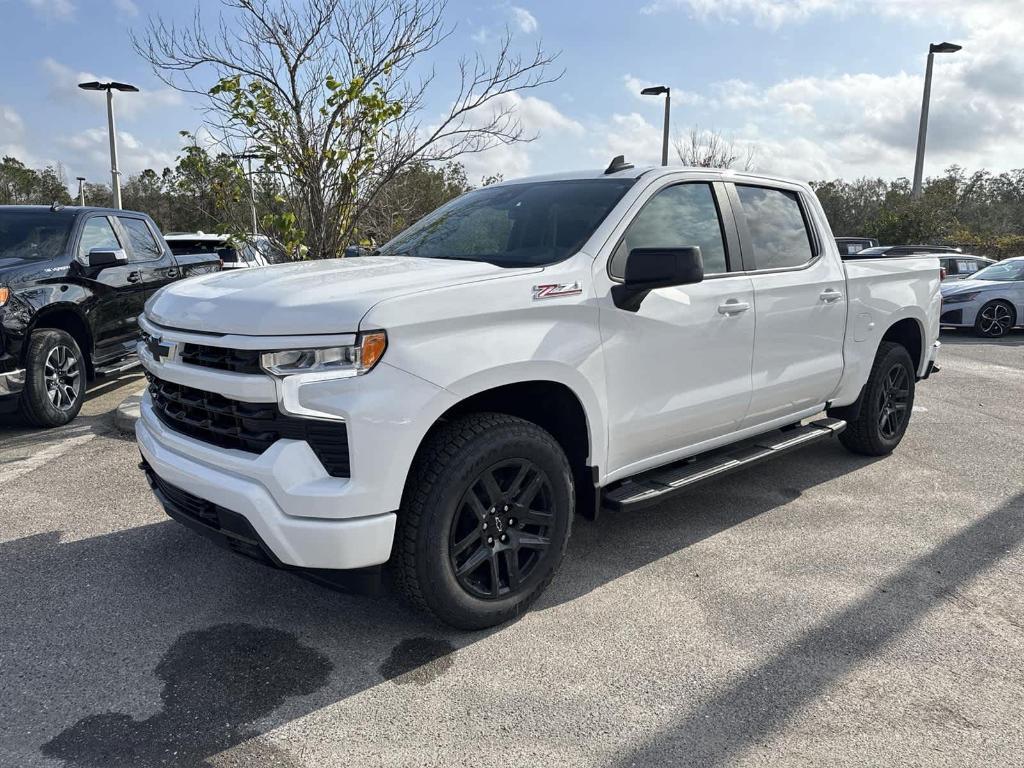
(13, 426)
(238, 649)
(750, 710)
(966, 336)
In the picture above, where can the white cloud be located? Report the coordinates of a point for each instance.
(679, 97)
(769, 12)
(126, 7)
(60, 10)
(12, 134)
(525, 20)
(64, 88)
(89, 151)
(481, 36)
(539, 118)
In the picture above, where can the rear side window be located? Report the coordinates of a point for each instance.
(966, 266)
(97, 233)
(144, 245)
(778, 231)
(676, 217)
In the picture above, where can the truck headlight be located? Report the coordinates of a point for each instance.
(960, 298)
(353, 360)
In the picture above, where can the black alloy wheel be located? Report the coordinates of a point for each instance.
(894, 396)
(501, 528)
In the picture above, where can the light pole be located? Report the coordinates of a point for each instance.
(81, 190)
(115, 175)
(657, 90)
(249, 157)
(922, 130)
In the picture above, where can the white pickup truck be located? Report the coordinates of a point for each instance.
(530, 350)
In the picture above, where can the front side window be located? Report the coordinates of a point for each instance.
(778, 232)
(144, 245)
(676, 217)
(519, 225)
(97, 233)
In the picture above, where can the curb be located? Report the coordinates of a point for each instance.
(128, 413)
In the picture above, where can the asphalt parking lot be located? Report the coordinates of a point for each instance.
(825, 609)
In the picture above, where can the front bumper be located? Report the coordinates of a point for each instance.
(12, 382)
(263, 490)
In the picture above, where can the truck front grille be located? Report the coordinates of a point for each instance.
(221, 358)
(251, 427)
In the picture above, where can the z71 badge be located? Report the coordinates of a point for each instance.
(554, 290)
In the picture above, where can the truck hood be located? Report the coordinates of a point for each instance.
(312, 297)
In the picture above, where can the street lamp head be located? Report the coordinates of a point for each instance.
(944, 48)
(655, 90)
(113, 86)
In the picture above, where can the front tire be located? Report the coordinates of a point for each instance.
(886, 404)
(485, 520)
(995, 319)
(55, 378)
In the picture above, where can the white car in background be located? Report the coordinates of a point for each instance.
(258, 251)
(991, 300)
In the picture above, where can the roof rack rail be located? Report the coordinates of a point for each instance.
(618, 164)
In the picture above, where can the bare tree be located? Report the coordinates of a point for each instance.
(709, 149)
(327, 90)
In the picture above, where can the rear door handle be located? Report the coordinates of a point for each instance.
(733, 307)
(829, 295)
(134, 277)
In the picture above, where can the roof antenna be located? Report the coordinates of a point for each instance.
(618, 164)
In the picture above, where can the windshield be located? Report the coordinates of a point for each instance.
(520, 225)
(33, 234)
(1008, 270)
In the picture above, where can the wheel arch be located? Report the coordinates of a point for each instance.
(68, 318)
(551, 404)
(909, 333)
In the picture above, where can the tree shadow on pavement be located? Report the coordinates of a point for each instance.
(749, 711)
(239, 649)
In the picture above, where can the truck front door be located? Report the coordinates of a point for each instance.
(678, 369)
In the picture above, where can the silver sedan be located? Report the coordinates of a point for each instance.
(991, 300)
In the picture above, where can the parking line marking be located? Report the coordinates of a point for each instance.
(16, 469)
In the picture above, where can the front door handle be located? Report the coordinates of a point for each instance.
(733, 307)
(829, 295)
(134, 277)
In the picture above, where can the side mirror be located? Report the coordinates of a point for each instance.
(649, 268)
(107, 257)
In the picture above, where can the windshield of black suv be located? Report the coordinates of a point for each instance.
(518, 225)
(1006, 271)
(33, 234)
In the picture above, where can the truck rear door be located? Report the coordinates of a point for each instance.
(799, 301)
(151, 261)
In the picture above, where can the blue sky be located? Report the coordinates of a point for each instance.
(819, 88)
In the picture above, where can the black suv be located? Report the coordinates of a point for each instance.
(73, 281)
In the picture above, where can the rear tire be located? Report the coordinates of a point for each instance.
(485, 520)
(887, 401)
(995, 319)
(54, 379)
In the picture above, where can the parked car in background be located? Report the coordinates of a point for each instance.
(528, 350)
(73, 282)
(960, 266)
(851, 245)
(889, 251)
(991, 300)
(256, 251)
